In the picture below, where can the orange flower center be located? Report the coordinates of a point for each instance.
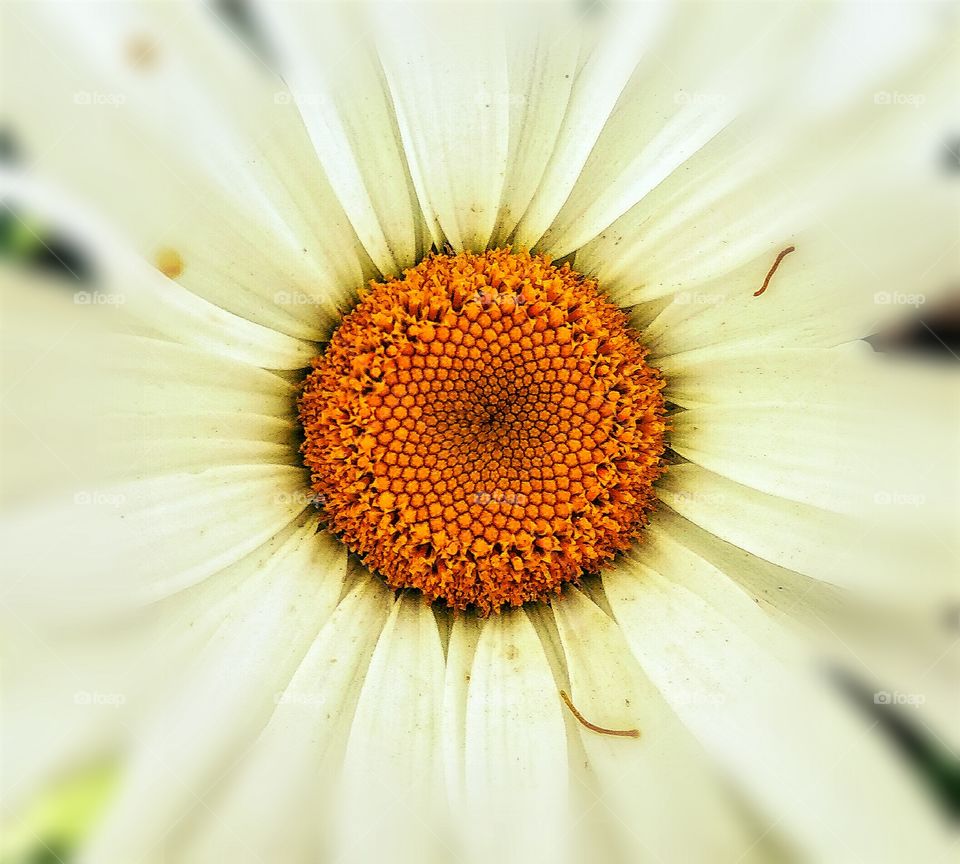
(484, 429)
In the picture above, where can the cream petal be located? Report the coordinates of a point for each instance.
(138, 293)
(447, 71)
(338, 86)
(828, 291)
(153, 377)
(125, 544)
(790, 597)
(107, 94)
(884, 631)
(700, 216)
(67, 703)
(608, 59)
(734, 680)
(462, 647)
(689, 89)
(184, 317)
(820, 543)
(815, 454)
(80, 694)
(676, 101)
(179, 442)
(542, 64)
(587, 831)
(227, 696)
(847, 372)
(516, 770)
(855, 551)
(707, 234)
(667, 803)
(849, 442)
(820, 296)
(276, 803)
(392, 770)
(52, 364)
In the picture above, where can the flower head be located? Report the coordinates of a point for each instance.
(461, 442)
(485, 429)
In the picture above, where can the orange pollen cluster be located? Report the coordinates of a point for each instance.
(484, 429)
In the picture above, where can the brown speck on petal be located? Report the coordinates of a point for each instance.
(169, 262)
(141, 51)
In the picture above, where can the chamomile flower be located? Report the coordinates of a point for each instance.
(466, 442)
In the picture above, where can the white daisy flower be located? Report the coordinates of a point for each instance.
(463, 444)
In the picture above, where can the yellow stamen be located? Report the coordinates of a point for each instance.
(484, 429)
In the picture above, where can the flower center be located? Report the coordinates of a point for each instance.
(484, 429)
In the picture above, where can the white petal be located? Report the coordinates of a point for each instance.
(442, 64)
(542, 63)
(848, 442)
(52, 364)
(697, 378)
(338, 87)
(227, 696)
(273, 804)
(190, 149)
(667, 803)
(91, 409)
(178, 442)
(151, 377)
(709, 232)
(819, 543)
(822, 775)
(824, 293)
(885, 631)
(675, 102)
(853, 551)
(67, 703)
(392, 771)
(74, 696)
(134, 543)
(606, 64)
(461, 650)
(816, 454)
(516, 752)
(138, 292)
